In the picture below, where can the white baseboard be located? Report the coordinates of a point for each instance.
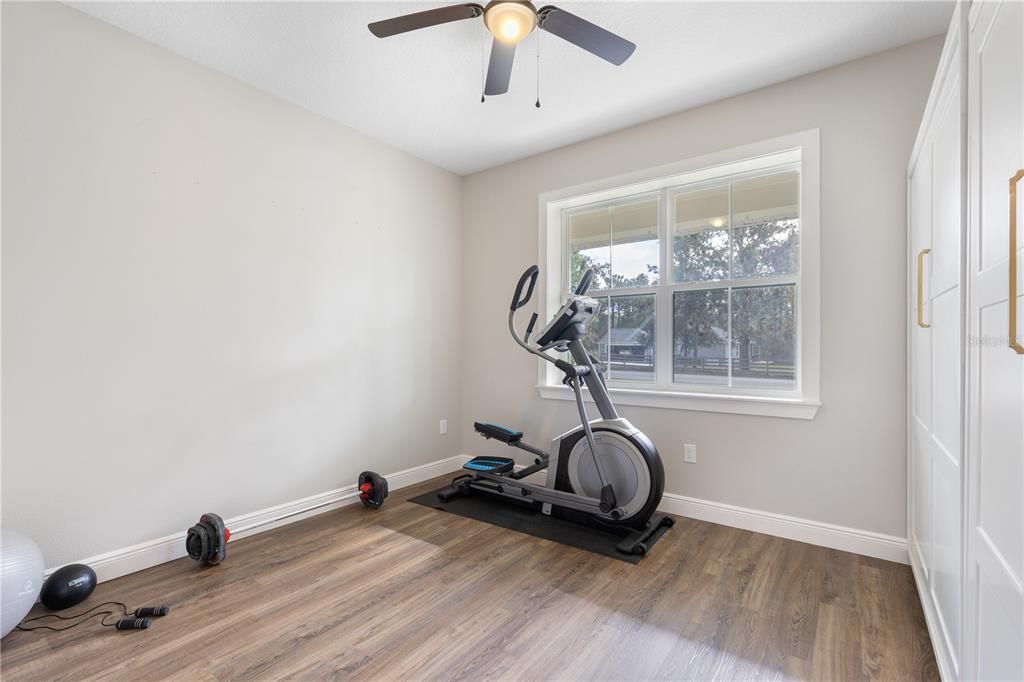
(847, 539)
(144, 555)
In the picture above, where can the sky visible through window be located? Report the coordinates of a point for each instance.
(630, 260)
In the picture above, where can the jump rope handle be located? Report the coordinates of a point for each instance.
(133, 623)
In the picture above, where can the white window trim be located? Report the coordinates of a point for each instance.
(803, 403)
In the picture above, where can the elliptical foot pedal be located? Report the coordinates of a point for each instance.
(490, 465)
(502, 433)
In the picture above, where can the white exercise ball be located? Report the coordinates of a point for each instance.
(21, 577)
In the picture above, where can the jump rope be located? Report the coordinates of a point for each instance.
(139, 619)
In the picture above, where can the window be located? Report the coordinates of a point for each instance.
(707, 277)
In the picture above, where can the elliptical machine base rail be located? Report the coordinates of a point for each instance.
(635, 541)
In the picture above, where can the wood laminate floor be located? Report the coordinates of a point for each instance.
(407, 592)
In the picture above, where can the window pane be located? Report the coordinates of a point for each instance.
(764, 337)
(635, 244)
(700, 236)
(630, 343)
(590, 236)
(594, 340)
(700, 336)
(766, 226)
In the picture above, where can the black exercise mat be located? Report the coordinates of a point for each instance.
(529, 521)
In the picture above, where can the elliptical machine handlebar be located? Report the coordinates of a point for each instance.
(519, 300)
(529, 277)
(584, 285)
(531, 274)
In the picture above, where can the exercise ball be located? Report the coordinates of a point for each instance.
(21, 577)
(68, 586)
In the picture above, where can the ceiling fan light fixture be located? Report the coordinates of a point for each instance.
(510, 21)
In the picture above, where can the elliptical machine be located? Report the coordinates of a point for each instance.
(604, 472)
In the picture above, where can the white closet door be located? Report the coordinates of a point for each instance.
(937, 236)
(995, 512)
(946, 315)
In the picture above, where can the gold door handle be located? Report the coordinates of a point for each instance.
(920, 289)
(1012, 300)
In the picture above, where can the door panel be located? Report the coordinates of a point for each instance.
(999, 627)
(946, 380)
(937, 191)
(996, 51)
(946, 182)
(921, 509)
(945, 295)
(946, 574)
(995, 456)
(921, 202)
(1000, 454)
(921, 375)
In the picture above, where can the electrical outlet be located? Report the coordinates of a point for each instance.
(443, 429)
(690, 453)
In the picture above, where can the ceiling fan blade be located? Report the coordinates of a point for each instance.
(430, 17)
(499, 69)
(582, 33)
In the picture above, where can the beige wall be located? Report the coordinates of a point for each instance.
(848, 465)
(212, 300)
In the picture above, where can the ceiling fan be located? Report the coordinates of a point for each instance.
(510, 21)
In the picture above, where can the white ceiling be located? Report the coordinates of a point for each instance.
(421, 91)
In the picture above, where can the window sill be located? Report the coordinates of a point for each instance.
(788, 408)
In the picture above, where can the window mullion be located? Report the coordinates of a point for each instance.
(728, 296)
(728, 335)
(729, 225)
(766, 281)
(665, 276)
(566, 258)
(625, 291)
(611, 248)
(663, 350)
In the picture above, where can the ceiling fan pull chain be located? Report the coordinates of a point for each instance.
(482, 86)
(538, 70)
